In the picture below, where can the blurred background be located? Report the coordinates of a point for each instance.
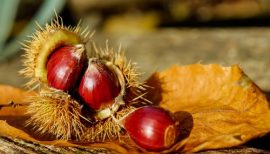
(155, 33)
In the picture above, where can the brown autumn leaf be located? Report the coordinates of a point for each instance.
(11, 95)
(217, 107)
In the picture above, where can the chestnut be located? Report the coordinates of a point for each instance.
(102, 87)
(64, 67)
(152, 128)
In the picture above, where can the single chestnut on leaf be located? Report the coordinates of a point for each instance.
(151, 128)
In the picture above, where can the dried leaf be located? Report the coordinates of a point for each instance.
(217, 107)
(9, 95)
(13, 111)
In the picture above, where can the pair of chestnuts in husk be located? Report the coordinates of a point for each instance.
(97, 85)
(56, 59)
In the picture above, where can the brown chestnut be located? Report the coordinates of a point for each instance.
(64, 67)
(151, 128)
(99, 85)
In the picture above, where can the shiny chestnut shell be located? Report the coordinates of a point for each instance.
(99, 85)
(151, 128)
(64, 67)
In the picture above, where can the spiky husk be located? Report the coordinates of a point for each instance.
(42, 43)
(56, 113)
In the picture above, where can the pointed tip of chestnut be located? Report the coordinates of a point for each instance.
(151, 128)
(99, 85)
(64, 67)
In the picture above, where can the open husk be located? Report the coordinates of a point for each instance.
(58, 113)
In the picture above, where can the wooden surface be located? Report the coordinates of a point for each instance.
(157, 50)
(12, 145)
